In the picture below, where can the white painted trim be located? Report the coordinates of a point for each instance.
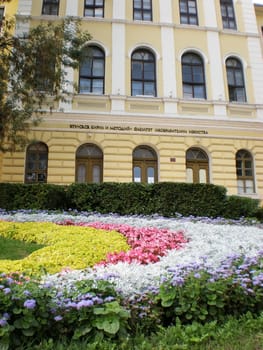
(165, 8)
(71, 8)
(100, 44)
(194, 50)
(118, 59)
(144, 46)
(168, 63)
(118, 9)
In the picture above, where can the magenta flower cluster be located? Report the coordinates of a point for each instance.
(147, 244)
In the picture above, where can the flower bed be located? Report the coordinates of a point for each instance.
(218, 272)
(66, 247)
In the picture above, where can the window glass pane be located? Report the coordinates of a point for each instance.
(147, 16)
(189, 175)
(84, 85)
(239, 77)
(88, 13)
(249, 186)
(230, 11)
(223, 11)
(202, 176)
(149, 89)
(147, 4)
(98, 68)
(192, 7)
(230, 77)
(240, 187)
(199, 91)
(149, 71)
(137, 88)
(187, 74)
(85, 68)
(232, 24)
(137, 69)
(193, 20)
(137, 15)
(81, 173)
(137, 174)
(98, 12)
(240, 95)
(96, 174)
(150, 175)
(198, 75)
(184, 19)
(97, 86)
(187, 91)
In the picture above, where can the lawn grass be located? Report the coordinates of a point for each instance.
(12, 249)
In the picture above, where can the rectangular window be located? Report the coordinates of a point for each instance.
(142, 10)
(188, 12)
(2, 11)
(50, 7)
(228, 14)
(94, 8)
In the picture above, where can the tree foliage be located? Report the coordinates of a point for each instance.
(33, 75)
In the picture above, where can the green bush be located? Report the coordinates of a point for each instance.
(188, 199)
(165, 198)
(32, 196)
(236, 207)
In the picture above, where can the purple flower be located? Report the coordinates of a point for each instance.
(27, 293)
(30, 304)
(3, 322)
(84, 303)
(7, 290)
(58, 318)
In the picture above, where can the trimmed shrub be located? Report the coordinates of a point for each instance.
(236, 207)
(32, 196)
(188, 199)
(166, 198)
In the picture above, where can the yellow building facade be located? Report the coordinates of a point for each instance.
(170, 90)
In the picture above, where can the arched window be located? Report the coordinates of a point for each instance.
(143, 77)
(142, 10)
(89, 164)
(235, 80)
(36, 163)
(92, 71)
(197, 166)
(245, 172)
(193, 76)
(228, 14)
(144, 165)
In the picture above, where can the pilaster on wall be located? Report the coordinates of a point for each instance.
(71, 8)
(209, 13)
(256, 66)
(24, 7)
(168, 63)
(249, 16)
(166, 11)
(23, 13)
(118, 9)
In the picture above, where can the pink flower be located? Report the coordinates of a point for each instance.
(147, 244)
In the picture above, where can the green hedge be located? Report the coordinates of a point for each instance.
(37, 196)
(166, 198)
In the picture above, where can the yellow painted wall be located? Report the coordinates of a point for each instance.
(223, 136)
